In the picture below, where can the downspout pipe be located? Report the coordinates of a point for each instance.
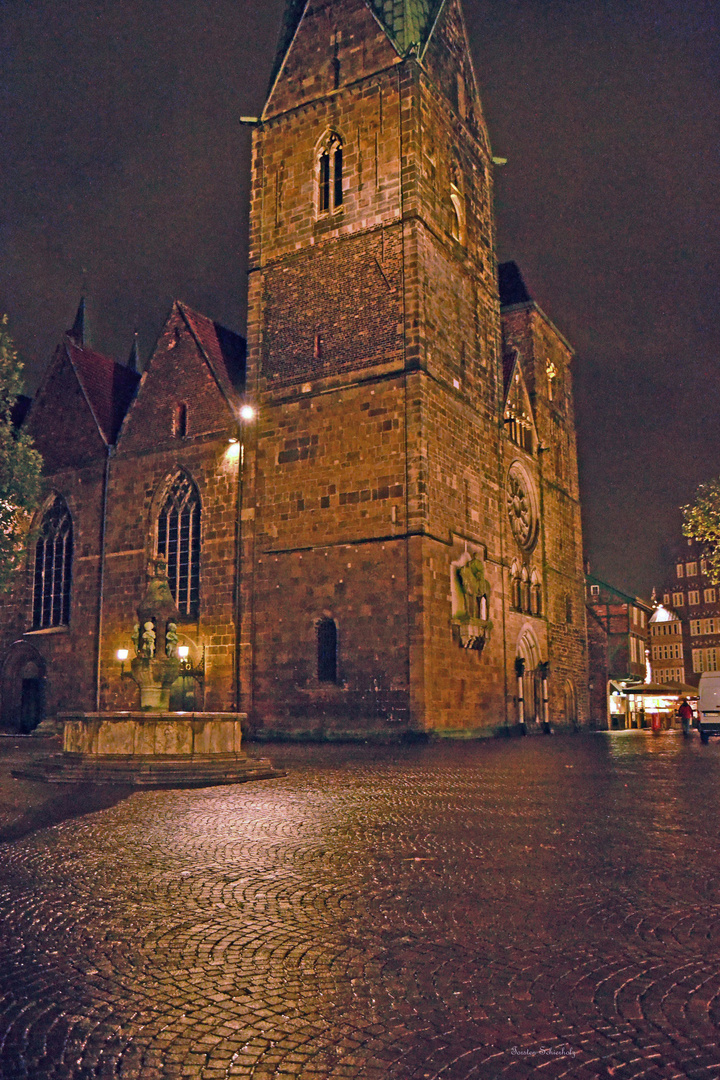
(101, 583)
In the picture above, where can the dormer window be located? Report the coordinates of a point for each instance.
(330, 176)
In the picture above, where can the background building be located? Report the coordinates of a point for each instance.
(625, 621)
(394, 544)
(695, 599)
(667, 658)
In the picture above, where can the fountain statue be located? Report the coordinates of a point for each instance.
(154, 747)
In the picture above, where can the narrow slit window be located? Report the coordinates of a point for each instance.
(338, 176)
(324, 182)
(327, 651)
(330, 176)
(180, 421)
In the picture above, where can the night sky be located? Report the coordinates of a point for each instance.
(124, 174)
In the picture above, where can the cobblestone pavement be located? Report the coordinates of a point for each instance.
(543, 907)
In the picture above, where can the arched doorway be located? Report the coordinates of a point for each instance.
(528, 652)
(570, 704)
(22, 686)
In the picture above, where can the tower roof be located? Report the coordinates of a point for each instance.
(406, 22)
(511, 285)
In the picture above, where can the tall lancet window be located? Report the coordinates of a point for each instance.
(53, 567)
(178, 542)
(330, 176)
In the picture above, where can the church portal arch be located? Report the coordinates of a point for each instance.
(22, 687)
(527, 667)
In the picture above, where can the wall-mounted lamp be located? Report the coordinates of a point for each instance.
(122, 655)
(183, 651)
(247, 413)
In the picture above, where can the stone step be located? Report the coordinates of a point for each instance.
(133, 771)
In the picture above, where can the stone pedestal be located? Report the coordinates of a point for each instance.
(152, 749)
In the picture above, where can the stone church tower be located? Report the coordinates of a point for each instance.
(393, 543)
(403, 546)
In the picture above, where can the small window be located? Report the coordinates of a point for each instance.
(180, 421)
(594, 590)
(691, 569)
(330, 177)
(327, 651)
(666, 599)
(694, 596)
(678, 599)
(709, 596)
(535, 595)
(680, 568)
(568, 608)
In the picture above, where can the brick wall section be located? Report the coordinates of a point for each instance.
(599, 670)
(73, 450)
(148, 456)
(539, 345)
(386, 284)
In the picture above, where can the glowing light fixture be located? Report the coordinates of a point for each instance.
(183, 652)
(247, 413)
(122, 655)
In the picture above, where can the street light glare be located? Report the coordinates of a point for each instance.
(247, 412)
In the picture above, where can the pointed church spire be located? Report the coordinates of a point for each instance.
(134, 358)
(77, 330)
(407, 23)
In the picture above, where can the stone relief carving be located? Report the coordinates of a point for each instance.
(470, 592)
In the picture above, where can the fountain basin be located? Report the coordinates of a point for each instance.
(152, 749)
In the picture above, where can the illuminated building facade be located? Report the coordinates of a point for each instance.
(394, 544)
(695, 600)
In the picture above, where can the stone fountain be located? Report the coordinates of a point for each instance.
(153, 747)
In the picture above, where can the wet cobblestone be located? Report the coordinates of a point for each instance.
(545, 907)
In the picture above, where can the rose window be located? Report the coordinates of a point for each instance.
(521, 508)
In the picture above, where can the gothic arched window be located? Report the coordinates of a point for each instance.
(330, 176)
(327, 651)
(53, 567)
(535, 594)
(178, 543)
(516, 597)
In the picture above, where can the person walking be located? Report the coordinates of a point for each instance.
(686, 715)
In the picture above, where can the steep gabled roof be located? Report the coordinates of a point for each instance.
(108, 386)
(406, 23)
(224, 351)
(511, 285)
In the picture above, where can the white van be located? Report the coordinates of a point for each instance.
(709, 704)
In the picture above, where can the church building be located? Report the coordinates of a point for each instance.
(369, 509)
